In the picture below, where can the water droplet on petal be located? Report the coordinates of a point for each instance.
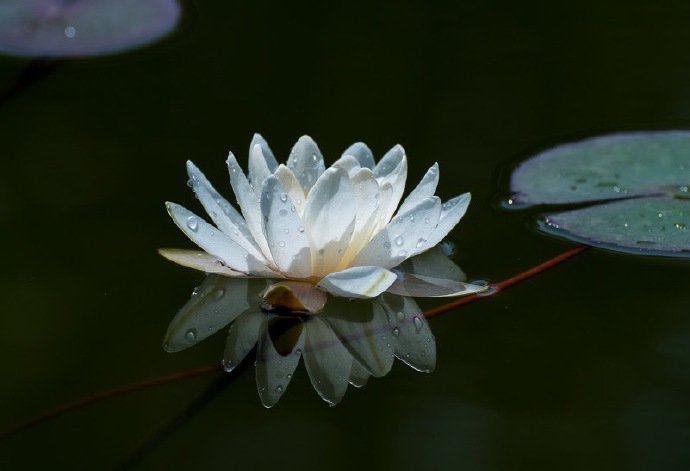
(420, 242)
(279, 389)
(398, 241)
(219, 293)
(190, 336)
(400, 315)
(283, 198)
(193, 223)
(395, 331)
(70, 32)
(298, 352)
(679, 225)
(229, 365)
(402, 253)
(417, 321)
(281, 243)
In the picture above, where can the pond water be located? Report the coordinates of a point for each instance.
(586, 366)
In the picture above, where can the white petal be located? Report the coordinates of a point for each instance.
(392, 169)
(306, 162)
(249, 199)
(363, 329)
(413, 342)
(329, 219)
(199, 261)
(403, 237)
(425, 189)
(435, 263)
(368, 199)
(262, 163)
(242, 337)
(214, 304)
(223, 214)
(451, 212)
(284, 232)
(214, 241)
(277, 358)
(358, 282)
(292, 187)
(408, 284)
(327, 361)
(362, 153)
(349, 163)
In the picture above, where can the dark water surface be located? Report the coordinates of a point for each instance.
(585, 367)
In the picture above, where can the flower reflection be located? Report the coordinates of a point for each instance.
(347, 343)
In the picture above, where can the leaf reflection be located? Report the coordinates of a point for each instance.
(347, 343)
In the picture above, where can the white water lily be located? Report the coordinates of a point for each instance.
(334, 228)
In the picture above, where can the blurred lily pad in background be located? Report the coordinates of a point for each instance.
(81, 28)
(637, 184)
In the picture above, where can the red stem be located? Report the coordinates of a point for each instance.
(507, 283)
(200, 371)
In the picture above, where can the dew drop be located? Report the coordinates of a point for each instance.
(229, 365)
(417, 321)
(426, 220)
(402, 253)
(400, 316)
(70, 32)
(287, 231)
(279, 389)
(283, 198)
(411, 217)
(679, 225)
(301, 229)
(298, 352)
(398, 241)
(289, 376)
(420, 242)
(660, 215)
(193, 223)
(281, 243)
(387, 245)
(190, 336)
(219, 293)
(395, 332)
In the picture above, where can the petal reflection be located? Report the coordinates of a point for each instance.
(348, 342)
(213, 305)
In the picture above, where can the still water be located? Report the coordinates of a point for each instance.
(586, 366)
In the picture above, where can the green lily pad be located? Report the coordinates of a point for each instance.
(637, 184)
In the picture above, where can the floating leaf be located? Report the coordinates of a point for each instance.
(80, 28)
(637, 184)
(640, 225)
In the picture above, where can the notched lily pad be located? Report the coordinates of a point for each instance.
(637, 184)
(81, 28)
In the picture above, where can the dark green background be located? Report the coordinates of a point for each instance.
(585, 367)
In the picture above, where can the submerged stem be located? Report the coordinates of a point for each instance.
(204, 370)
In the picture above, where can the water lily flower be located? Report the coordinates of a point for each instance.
(339, 230)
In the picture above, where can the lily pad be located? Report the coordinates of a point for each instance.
(637, 184)
(81, 28)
